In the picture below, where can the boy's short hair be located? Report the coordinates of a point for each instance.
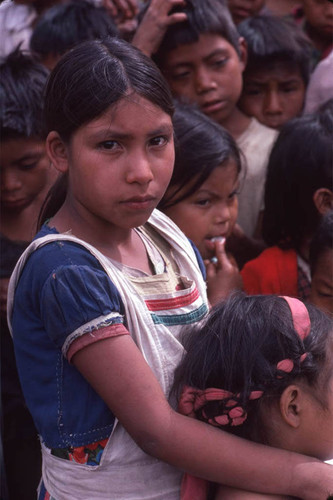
(63, 26)
(22, 86)
(203, 16)
(271, 40)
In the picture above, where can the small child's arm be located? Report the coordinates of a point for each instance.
(118, 372)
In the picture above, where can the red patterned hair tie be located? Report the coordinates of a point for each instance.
(192, 400)
(302, 325)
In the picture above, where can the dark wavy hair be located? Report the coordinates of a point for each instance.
(238, 348)
(65, 25)
(88, 80)
(22, 85)
(300, 163)
(272, 40)
(203, 16)
(201, 145)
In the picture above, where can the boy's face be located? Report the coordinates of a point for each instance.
(208, 73)
(242, 9)
(25, 172)
(273, 95)
(319, 15)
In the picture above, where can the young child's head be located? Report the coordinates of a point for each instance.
(242, 9)
(261, 367)
(319, 19)
(203, 58)
(65, 25)
(202, 195)
(25, 169)
(101, 98)
(277, 70)
(299, 183)
(321, 264)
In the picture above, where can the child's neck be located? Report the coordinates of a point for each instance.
(121, 245)
(236, 123)
(21, 226)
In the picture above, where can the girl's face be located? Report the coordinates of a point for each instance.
(210, 211)
(242, 9)
(119, 166)
(316, 437)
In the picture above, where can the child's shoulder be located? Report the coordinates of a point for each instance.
(50, 256)
(257, 140)
(257, 131)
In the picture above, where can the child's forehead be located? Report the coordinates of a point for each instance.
(15, 148)
(280, 70)
(206, 46)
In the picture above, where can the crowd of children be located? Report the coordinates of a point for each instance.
(166, 249)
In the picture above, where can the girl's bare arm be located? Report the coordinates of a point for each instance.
(118, 372)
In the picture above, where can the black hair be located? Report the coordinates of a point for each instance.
(89, 79)
(272, 40)
(238, 348)
(22, 85)
(65, 25)
(322, 240)
(208, 16)
(201, 145)
(300, 163)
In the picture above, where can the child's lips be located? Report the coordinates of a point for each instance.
(13, 203)
(210, 242)
(140, 203)
(213, 106)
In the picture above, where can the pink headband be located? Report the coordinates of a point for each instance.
(302, 326)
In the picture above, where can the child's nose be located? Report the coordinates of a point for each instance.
(222, 213)
(203, 81)
(10, 181)
(272, 103)
(139, 169)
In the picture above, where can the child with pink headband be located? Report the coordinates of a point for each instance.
(260, 367)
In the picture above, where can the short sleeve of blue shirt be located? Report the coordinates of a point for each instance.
(66, 287)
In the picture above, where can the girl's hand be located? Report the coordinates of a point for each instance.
(154, 24)
(121, 10)
(223, 276)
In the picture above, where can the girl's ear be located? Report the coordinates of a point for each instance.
(291, 406)
(323, 200)
(243, 52)
(57, 151)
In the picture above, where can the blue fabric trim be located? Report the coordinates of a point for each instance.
(180, 319)
(199, 259)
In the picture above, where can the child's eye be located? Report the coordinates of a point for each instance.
(233, 195)
(109, 145)
(252, 92)
(181, 75)
(160, 140)
(28, 166)
(203, 202)
(218, 63)
(288, 90)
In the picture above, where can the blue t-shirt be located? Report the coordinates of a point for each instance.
(69, 290)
